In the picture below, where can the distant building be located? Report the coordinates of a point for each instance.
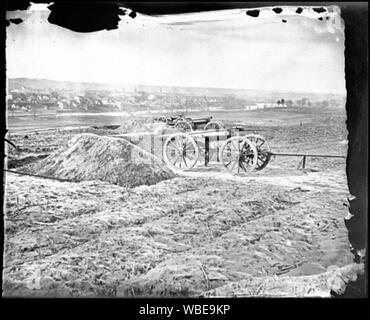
(252, 107)
(281, 105)
(264, 105)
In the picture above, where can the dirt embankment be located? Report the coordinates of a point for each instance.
(91, 157)
(33, 145)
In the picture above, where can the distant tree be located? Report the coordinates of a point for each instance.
(278, 102)
(289, 103)
(282, 101)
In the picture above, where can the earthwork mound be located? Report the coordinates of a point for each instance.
(92, 157)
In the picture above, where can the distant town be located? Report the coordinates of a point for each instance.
(33, 97)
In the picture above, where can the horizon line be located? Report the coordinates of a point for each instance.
(180, 86)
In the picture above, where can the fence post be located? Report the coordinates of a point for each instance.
(206, 150)
(304, 162)
(162, 142)
(217, 146)
(152, 144)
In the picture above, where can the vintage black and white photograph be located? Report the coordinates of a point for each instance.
(191, 154)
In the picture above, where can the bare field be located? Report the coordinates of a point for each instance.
(181, 237)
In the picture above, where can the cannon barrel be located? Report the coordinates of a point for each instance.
(202, 120)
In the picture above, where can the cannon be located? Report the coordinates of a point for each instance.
(238, 154)
(239, 149)
(188, 124)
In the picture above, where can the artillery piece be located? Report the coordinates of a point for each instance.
(188, 124)
(238, 154)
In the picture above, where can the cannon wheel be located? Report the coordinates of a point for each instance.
(214, 124)
(183, 125)
(263, 150)
(238, 155)
(180, 151)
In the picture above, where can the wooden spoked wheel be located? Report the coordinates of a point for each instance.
(183, 125)
(238, 155)
(180, 151)
(214, 125)
(263, 150)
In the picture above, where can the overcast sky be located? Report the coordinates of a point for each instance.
(227, 49)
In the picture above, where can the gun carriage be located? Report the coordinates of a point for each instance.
(238, 154)
(239, 149)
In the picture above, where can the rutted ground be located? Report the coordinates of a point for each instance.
(177, 238)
